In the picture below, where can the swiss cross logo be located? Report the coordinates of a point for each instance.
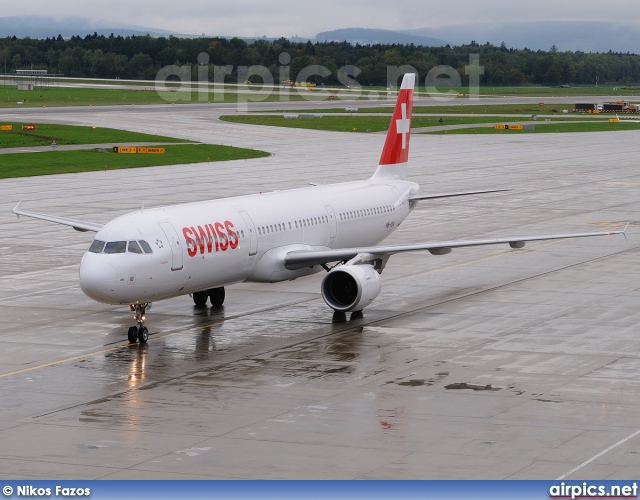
(403, 125)
(396, 145)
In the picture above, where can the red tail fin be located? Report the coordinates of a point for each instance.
(396, 147)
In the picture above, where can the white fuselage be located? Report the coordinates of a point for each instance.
(200, 246)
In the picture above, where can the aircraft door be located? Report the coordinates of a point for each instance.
(333, 225)
(253, 237)
(174, 244)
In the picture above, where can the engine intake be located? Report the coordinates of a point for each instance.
(351, 288)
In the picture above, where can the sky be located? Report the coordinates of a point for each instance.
(275, 18)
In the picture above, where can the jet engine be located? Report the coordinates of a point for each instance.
(351, 288)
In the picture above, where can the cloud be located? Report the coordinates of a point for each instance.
(286, 18)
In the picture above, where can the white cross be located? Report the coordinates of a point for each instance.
(403, 125)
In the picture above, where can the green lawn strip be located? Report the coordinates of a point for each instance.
(44, 134)
(61, 162)
(534, 91)
(364, 123)
(71, 96)
(333, 123)
(479, 109)
(464, 120)
(554, 127)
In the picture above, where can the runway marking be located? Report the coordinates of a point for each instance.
(595, 457)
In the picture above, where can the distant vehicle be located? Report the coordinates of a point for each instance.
(586, 107)
(199, 248)
(613, 107)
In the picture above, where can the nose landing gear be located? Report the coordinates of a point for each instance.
(139, 333)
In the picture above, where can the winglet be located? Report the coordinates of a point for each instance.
(624, 231)
(76, 224)
(396, 146)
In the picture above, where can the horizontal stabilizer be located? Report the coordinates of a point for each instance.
(452, 195)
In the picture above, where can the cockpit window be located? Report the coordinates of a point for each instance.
(116, 247)
(145, 246)
(134, 247)
(96, 246)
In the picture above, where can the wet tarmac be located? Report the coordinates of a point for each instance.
(487, 363)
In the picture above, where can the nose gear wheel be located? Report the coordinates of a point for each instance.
(139, 333)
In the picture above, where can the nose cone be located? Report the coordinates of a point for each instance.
(98, 279)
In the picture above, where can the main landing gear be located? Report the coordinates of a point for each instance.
(139, 333)
(215, 295)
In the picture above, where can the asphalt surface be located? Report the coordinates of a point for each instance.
(485, 363)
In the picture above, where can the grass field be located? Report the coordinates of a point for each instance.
(333, 123)
(44, 134)
(364, 123)
(602, 90)
(146, 94)
(470, 108)
(554, 127)
(71, 96)
(61, 162)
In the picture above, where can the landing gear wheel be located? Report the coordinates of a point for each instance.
(138, 333)
(143, 335)
(132, 335)
(200, 298)
(216, 295)
(356, 315)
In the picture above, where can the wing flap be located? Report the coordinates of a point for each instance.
(76, 224)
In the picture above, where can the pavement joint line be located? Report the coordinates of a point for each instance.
(595, 457)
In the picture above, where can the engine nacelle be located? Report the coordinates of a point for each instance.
(351, 288)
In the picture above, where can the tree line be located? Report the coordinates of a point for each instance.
(141, 57)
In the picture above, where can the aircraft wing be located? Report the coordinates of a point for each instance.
(299, 259)
(76, 224)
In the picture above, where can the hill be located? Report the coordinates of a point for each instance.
(365, 36)
(43, 27)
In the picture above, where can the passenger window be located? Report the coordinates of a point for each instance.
(145, 246)
(116, 247)
(134, 247)
(97, 246)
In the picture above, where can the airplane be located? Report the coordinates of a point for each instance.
(199, 248)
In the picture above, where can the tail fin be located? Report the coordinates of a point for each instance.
(395, 154)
